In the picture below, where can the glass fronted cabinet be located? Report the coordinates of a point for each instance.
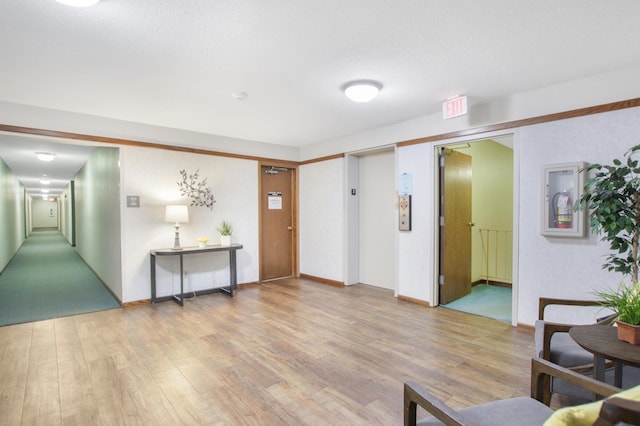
(562, 186)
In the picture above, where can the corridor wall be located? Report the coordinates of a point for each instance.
(12, 225)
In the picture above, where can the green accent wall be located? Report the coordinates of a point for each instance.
(492, 205)
(12, 217)
(97, 216)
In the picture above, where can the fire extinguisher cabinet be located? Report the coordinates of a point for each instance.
(562, 186)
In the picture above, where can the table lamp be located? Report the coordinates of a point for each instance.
(176, 214)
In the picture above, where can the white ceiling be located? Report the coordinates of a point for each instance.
(176, 63)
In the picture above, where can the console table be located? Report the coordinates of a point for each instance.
(179, 298)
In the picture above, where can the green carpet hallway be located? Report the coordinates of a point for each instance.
(47, 279)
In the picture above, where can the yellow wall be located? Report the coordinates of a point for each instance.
(492, 205)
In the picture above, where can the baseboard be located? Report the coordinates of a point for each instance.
(414, 300)
(136, 303)
(490, 282)
(322, 280)
(526, 326)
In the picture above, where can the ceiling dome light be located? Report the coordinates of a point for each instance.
(362, 91)
(45, 156)
(78, 3)
(240, 96)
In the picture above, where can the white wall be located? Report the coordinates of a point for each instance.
(11, 214)
(378, 219)
(546, 266)
(153, 175)
(416, 249)
(595, 90)
(565, 267)
(44, 213)
(322, 219)
(43, 118)
(352, 217)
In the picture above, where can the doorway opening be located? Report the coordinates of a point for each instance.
(476, 211)
(372, 218)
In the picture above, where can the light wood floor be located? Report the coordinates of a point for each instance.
(285, 352)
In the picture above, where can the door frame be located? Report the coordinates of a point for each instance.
(295, 272)
(513, 133)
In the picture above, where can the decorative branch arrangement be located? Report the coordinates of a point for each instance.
(199, 193)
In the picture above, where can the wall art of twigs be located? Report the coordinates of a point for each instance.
(196, 189)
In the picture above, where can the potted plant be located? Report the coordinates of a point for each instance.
(202, 242)
(611, 196)
(225, 233)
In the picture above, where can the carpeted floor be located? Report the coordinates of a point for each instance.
(47, 279)
(489, 301)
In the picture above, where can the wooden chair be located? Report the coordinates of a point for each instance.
(521, 411)
(554, 344)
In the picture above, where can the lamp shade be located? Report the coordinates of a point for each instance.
(177, 214)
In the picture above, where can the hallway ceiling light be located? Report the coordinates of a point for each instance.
(78, 3)
(45, 156)
(362, 90)
(45, 181)
(44, 191)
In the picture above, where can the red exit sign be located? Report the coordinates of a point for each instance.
(454, 107)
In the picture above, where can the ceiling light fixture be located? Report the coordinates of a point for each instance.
(44, 191)
(45, 156)
(45, 181)
(240, 96)
(78, 3)
(362, 90)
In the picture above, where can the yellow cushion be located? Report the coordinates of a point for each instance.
(586, 414)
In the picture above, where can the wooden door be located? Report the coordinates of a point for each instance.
(277, 234)
(455, 225)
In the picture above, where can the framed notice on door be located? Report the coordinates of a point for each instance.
(275, 200)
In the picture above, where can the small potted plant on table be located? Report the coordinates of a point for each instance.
(225, 233)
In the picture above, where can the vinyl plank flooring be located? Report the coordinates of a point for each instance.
(285, 352)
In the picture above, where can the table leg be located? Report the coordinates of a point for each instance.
(598, 367)
(233, 271)
(180, 300)
(152, 263)
(618, 375)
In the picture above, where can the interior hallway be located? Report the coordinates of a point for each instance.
(47, 279)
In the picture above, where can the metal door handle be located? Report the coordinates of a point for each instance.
(289, 228)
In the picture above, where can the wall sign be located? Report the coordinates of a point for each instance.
(275, 200)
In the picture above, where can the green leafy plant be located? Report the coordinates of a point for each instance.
(624, 302)
(611, 197)
(225, 228)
